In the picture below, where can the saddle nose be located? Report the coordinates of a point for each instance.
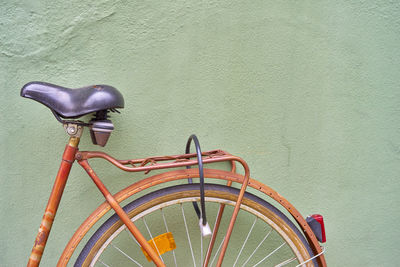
(74, 103)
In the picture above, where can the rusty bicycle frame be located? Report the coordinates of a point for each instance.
(72, 153)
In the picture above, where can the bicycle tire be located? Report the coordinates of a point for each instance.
(272, 225)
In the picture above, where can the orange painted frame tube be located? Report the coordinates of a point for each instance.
(68, 159)
(122, 214)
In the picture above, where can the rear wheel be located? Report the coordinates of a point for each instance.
(262, 235)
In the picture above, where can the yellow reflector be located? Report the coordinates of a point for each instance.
(164, 243)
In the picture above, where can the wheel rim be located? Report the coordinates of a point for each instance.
(290, 241)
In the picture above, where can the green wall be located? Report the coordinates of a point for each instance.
(306, 91)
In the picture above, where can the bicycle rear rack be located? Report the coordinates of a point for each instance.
(164, 162)
(157, 163)
(213, 156)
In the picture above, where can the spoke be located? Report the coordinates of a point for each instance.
(216, 253)
(166, 227)
(126, 255)
(245, 241)
(187, 233)
(259, 245)
(103, 263)
(310, 259)
(285, 262)
(130, 234)
(270, 254)
(151, 237)
(201, 249)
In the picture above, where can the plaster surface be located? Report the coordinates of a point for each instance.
(306, 91)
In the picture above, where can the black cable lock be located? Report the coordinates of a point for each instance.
(201, 213)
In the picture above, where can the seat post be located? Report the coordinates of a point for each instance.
(68, 158)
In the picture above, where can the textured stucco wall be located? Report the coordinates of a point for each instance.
(306, 91)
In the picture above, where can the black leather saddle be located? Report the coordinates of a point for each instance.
(74, 103)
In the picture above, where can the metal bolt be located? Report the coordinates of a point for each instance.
(71, 130)
(78, 156)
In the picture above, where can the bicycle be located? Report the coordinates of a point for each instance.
(171, 240)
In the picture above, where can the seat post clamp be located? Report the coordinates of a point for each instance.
(73, 130)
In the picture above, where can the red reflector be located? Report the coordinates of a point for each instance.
(320, 220)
